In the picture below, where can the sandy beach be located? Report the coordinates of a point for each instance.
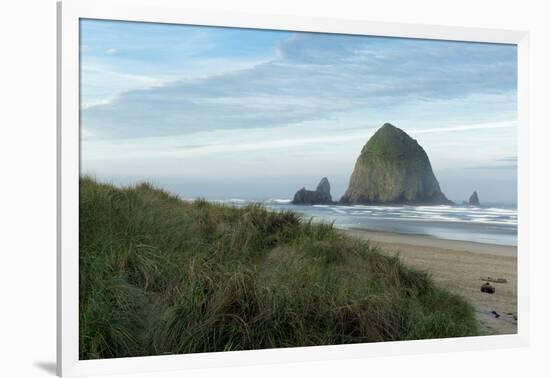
(460, 266)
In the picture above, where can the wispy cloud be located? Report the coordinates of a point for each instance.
(312, 77)
(160, 52)
(484, 126)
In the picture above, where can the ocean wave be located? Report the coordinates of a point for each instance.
(451, 214)
(337, 210)
(278, 200)
(499, 225)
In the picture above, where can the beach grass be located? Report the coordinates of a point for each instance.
(159, 275)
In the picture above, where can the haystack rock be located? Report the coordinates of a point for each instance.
(393, 169)
(474, 199)
(311, 197)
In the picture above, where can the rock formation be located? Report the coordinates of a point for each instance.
(474, 199)
(393, 169)
(310, 197)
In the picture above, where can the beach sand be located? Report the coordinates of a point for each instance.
(459, 267)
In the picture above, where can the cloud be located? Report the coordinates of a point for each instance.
(509, 159)
(94, 91)
(162, 52)
(312, 77)
(495, 125)
(501, 163)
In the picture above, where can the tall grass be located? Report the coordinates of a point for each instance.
(159, 275)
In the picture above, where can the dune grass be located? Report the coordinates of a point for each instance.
(159, 275)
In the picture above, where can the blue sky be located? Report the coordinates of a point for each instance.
(237, 113)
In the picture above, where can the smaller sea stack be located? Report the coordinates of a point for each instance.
(311, 197)
(474, 199)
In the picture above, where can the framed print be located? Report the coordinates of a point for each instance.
(239, 189)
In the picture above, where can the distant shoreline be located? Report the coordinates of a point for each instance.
(460, 267)
(432, 241)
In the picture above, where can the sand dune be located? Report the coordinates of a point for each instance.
(459, 266)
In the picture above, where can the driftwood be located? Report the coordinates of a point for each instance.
(513, 315)
(496, 280)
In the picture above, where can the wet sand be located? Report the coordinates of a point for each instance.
(459, 267)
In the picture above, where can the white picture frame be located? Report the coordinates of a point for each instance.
(69, 14)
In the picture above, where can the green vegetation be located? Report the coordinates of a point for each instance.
(393, 144)
(393, 169)
(159, 275)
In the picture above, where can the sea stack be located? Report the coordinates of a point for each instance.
(474, 199)
(311, 197)
(393, 169)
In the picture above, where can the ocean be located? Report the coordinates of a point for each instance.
(491, 225)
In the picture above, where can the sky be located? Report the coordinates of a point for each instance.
(227, 113)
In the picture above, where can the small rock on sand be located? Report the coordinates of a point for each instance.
(487, 288)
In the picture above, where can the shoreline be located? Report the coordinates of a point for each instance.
(460, 267)
(432, 241)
